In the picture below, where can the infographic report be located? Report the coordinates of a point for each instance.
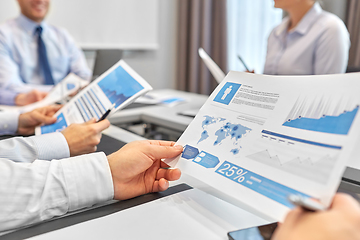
(259, 139)
(119, 86)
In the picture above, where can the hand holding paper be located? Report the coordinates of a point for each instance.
(137, 168)
(83, 138)
(28, 121)
(33, 96)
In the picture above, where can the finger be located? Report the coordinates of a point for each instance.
(294, 215)
(50, 110)
(41, 118)
(102, 125)
(160, 185)
(160, 151)
(168, 174)
(345, 202)
(43, 95)
(91, 121)
(37, 95)
(98, 138)
(54, 108)
(161, 143)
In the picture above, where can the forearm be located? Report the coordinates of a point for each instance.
(35, 192)
(27, 149)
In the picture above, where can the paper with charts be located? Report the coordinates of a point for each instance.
(260, 138)
(118, 86)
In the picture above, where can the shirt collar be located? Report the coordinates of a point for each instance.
(305, 23)
(29, 25)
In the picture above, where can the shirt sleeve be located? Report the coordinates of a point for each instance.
(78, 63)
(269, 60)
(34, 192)
(9, 122)
(7, 97)
(28, 149)
(9, 73)
(332, 51)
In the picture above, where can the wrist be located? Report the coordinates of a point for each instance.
(19, 99)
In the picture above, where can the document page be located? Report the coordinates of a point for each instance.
(68, 86)
(119, 86)
(260, 138)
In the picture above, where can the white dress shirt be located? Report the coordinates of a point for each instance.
(19, 69)
(34, 192)
(28, 149)
(319, 44)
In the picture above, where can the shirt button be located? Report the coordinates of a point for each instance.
(6, 126)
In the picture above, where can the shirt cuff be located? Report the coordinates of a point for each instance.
(88, 180)
(9, 122)
(59, 147)
(7, 97)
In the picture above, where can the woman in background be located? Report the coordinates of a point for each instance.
(308, 41)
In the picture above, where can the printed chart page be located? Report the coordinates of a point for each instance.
(119, 86)
(260, 138)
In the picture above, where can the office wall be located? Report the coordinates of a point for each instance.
(337, 7)
(101, 24)
(156, 66)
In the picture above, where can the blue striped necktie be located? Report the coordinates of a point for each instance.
(43, 60)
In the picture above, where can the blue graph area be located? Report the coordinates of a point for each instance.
(328, 124)
(119, 85)
(56, 127)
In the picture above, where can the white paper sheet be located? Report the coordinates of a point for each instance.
(159, 98)
(118, 86)
(68, 86)
(191, 214)
(260, 138)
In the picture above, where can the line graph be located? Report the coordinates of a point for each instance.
(302, 168)
(305, 159)
(323, 114)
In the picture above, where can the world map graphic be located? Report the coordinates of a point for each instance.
(222, 129)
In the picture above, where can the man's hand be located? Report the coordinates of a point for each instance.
(83, 138)
(341, 221)
(28, 121)
(23, 99)
(137, 168)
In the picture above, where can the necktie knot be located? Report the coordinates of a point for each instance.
(39, 30)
